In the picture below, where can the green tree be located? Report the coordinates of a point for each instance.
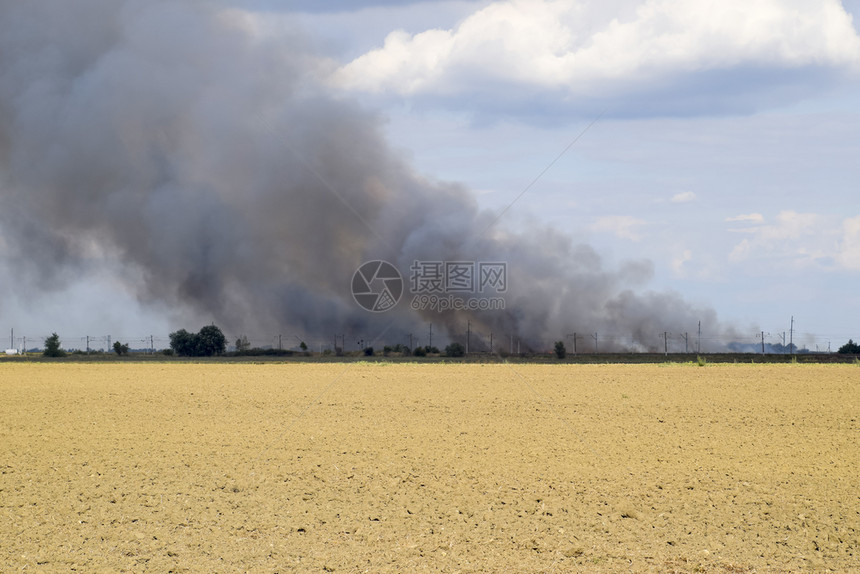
(242, 344)
(209, 341)
(52, 347)
(560, 350)
(212, 341)
(455, 350)
(120, 348)
(850, 348)
(304, 347)
(183, 343)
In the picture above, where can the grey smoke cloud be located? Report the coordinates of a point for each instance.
(211, 164)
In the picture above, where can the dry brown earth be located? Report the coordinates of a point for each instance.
(429, 468)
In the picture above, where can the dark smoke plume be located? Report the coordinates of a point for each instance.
(170, 137)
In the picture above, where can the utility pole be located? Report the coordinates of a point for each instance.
(88, 344)
(594, 336)
(574, 341)
(468, 335)
(762, 342)
(512, 344)
(665, 343)
(151, 345)
(491, 343)
(279, 341)
(791, 336)
(685, 342)
(108, 345)
(699, 340)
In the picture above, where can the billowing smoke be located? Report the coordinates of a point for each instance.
(209, 162)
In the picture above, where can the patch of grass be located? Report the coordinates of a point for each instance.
(701, 361)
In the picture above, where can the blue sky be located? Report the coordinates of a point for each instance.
(726, 153)
(725, 149)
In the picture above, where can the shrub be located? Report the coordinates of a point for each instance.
(368, 352)
(260, 352)
(455, 350)
(398, 348)
(419, 352)
(560, 351)
(700, 361)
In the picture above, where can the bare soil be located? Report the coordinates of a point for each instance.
(429, 468)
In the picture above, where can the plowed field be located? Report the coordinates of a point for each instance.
(429, 468)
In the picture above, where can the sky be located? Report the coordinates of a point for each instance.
(725, 149)
(717, 140)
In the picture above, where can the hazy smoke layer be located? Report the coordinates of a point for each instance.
(168, 136)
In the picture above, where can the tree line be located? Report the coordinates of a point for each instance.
(207, 342)
(210, 341)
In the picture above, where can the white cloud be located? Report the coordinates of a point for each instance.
(684, 197)
(571, 47)
(801, 240)
(848, 255)
(740, 252)
(749, 217)
(679, 261)
(793, 225)
(622, 226)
